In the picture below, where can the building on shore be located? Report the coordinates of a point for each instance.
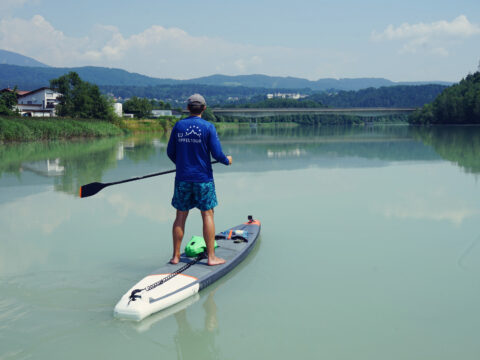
(38, 103)
(158, 113)
(294, 96)
(118, 109)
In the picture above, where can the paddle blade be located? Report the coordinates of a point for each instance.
(90, 189)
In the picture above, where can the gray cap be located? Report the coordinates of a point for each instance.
(196, 99)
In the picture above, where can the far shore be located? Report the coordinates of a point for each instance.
(22, 129)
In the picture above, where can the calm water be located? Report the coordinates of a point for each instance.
(370, 248)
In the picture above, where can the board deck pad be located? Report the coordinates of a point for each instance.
(231, 247)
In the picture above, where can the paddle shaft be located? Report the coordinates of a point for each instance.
(146, 176)
(93, 188)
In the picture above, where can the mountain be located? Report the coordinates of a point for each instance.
(28, 78)
(275, 82)
(12, 58)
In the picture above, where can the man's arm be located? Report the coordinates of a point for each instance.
(171, 147)
(216, 148)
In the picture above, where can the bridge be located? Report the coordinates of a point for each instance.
(264, 112)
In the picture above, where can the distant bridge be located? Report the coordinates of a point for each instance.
(263, 112)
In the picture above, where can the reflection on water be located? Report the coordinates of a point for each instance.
(193, 343)
(459, 144)
(363, 228)
(72, 164)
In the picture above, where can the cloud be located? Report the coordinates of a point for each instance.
(160, 51)
(433, 206)
(433, 37)
(38, 38)
(6, 6)
(125, 206)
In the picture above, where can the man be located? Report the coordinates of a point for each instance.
(191, 143)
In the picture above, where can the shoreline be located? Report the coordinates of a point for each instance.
(21, 129)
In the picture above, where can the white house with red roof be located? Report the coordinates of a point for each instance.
(40, 102)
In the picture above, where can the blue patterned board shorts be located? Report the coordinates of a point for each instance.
(188, 195)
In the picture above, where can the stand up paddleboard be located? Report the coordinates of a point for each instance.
(173, 283)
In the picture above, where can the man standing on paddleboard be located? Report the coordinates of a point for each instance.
(192, 141)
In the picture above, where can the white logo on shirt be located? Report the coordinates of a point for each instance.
(193, 129)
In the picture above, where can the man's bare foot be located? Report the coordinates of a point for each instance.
(212, 261)
(174, 260)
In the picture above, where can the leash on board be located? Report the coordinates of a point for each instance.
(134, 294)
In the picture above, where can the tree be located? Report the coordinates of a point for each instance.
(209, 115)
(81, 99)
(160, 105)
(458, 104)
(8, 100)
(140, 107)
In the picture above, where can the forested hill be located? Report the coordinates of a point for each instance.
(29, 78)
(458, 104)
(288, 82)
(392, 96)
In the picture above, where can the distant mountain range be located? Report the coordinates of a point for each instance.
(12, 58)
(27, 74)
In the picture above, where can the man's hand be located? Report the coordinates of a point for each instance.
(230, 160)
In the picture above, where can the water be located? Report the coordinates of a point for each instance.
(370, 247)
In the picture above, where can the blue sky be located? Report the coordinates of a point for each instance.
(399, 40)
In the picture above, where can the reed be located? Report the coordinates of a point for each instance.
(31, 129)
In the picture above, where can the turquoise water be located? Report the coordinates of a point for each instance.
(370, 247)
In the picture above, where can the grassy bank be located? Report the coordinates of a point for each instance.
(159, 126)
(28, 129)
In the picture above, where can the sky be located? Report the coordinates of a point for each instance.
(408, 40)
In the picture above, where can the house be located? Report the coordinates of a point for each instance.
(158, 113)
(40, 102)
(19, 92)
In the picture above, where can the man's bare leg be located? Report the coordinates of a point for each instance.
(209, 236)
(177, 233)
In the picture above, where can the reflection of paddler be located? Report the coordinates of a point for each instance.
(198, 343)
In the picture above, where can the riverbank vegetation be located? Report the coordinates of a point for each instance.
(142, 108)
(458, 104)
(159, 125)
(28, 129)
(314, 119)
(8, 100)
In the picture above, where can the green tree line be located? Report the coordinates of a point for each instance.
(142, 107)
(391, 96)
(277, 103)
(81, 99)
(458, 104)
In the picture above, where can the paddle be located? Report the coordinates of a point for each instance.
(95, 187)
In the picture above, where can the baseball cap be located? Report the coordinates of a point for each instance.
(196, 99)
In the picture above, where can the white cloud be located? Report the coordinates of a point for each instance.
(6, 6)
(432, 207)
(433, 37)
(126, 206)
(160, 51)
(39, 39)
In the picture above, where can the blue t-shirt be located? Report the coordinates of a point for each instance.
(191, 143)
